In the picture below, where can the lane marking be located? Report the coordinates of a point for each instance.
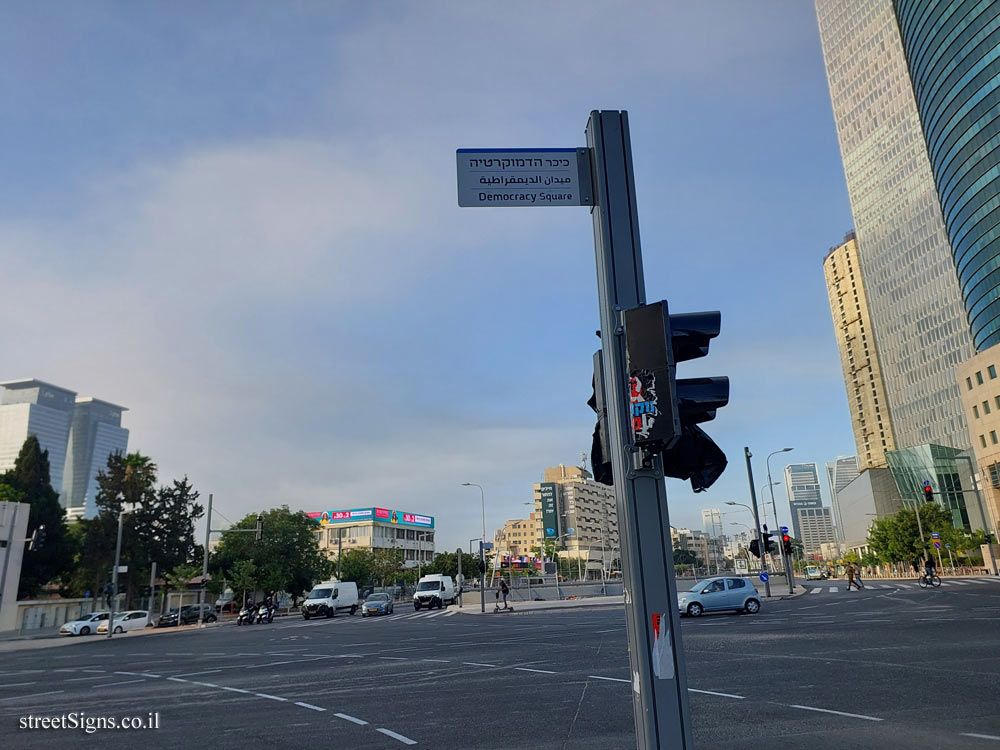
(957, 583)
(712, 692)
(271, 697)
(195, 674)
(237, 690)
(443, 661)
(354, 719)
(204, 684)
(980, 736)
(477, 664)
(838, 713)
(176, 679)
(401, 738)
(33, 695)
(613, 630)
(833, 589)
(451, 612)
(98, 677)
(609, 679)
(147, 674)
(93, 670)
(309, 705)
(816, 591)
(540, 671)
(394, 658)
(17, 684)
(976, 580)
(126, 682)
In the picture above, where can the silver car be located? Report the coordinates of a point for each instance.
(719, 594)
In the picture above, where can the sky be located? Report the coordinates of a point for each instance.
(239, 220)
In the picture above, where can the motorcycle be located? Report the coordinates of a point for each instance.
(246, 616)
(265, 614)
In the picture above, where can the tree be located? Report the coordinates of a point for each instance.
(29, 481)
(179, 578)
(896, 538)
(685, 557)
(243, 575)
(386, 564)
(287, 558)
(357, 565)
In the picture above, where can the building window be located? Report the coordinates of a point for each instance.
(992, 370)
(986, 407)
(979, 377)
(968, 382)
(975, 411)
(993, 436)
(982, 439)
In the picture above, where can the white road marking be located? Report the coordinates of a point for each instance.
(833, 589)
(976, 580)
(33, 695)
(401, 738)
(443, 661)
(712, 692)
(195, 674)
(609, 679)
(176, 679)
(17, 684)
(93, 670)
(957, 583)
(451, 612)
(98, 677)
(815, 590)
(838, 713)
(354, 719)
(204, 684)
(146, 674)
(271, 697)
(980, 736)
(309, 705)
(237, 690)
(394, 658)
(540, 671)
(126, 682)
(436, 614)
(477, 664)
(613, 630)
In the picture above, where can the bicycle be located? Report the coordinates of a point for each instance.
(931, 580)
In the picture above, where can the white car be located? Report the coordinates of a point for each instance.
(133, 619)
(85, 625)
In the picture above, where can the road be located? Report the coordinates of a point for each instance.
(892, 666)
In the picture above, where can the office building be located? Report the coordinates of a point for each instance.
(568, 498)
(802, 488)
(918, 322)
(872, 495)
(711, 522)
(339, 531)
(517, 538)
(979, 385)
(950, 474)
(953, 53)
(870, 420)
(839, 474)
(816, 527)
(32, 407)
(95, 433)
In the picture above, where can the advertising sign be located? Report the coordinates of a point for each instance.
(550, 511)
(383, 515)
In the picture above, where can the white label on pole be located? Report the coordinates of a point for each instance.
(123, 568)
(663, 654)
(524, 177)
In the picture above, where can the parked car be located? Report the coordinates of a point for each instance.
(85, 625)
(719, 594)
(134, 619)
(376, 604)
(815, 573)
(329, 597)
(188, 615)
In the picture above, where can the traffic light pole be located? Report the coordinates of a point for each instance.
(756, 523)
(656, 657)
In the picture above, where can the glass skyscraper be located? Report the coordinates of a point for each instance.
(953, 52)
(918, 319)
(839, 474)
(802, 486)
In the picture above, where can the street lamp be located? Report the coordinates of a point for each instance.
(789, 570)
(114, 576)
(482, 552)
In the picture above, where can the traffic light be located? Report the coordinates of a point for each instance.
(786, 544)
(768, 542)
(599, 450)
(37, 538)
(928, 493)
(755, 548)
(666, 411)
(259, 529)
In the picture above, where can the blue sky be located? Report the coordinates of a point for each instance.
(239, 220)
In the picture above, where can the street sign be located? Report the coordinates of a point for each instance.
(947, 546)
(742, 565)
(123, 568)
(487, 546)
(784, 529)
(937, 545)
(935, 535)
(524, 177)
(764, 577)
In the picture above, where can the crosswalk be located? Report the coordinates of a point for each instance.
(900, 585)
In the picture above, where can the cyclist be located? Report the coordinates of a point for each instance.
(929, 568)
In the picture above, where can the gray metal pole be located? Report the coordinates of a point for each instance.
(756, 522)
(152, 592)
(460, 582)
(340, 548)
(789, 570)
(204, 568)
(659, 682)
(114, 577)
(482, 576)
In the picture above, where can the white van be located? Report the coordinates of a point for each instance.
(330, 596)
(434, 589)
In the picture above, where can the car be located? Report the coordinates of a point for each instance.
(133, 619)
(434, 590)
(189, 615)
(719, 594)
(815, 573)
(329, 597)
(376, 604)
(85, 625)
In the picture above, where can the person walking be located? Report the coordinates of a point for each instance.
(850, 577)
(857, 578)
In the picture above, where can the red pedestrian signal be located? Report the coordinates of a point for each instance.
(928, 494)
(786, 544)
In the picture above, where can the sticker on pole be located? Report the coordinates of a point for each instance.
(524, 177)
(764, 577)
(663, 653)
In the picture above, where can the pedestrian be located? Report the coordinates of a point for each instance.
(857, 578)
(850, 577)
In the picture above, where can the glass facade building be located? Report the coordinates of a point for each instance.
(95, 433)
(918, 320)
(839, 474)
(802, 486)
(953, 53)
(33, 407)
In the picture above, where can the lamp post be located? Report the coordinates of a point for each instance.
(482, 552)
(789, 571)
(756, 519)
(114, 577)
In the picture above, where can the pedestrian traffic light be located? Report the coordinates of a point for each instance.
(768, 542)
(786, 544)
(666, 411)
(928, 493)
(259, 529)
(755, 548)
(37, 538)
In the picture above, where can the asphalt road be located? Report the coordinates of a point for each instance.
(890, 667)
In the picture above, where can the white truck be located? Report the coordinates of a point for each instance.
(434, 590)
(329, 597)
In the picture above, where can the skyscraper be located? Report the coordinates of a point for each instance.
(953, 54)
(32, 407)
(918, 321)
(711, 522)
(802, 486)
(95, 433)
(873, 433)
(816, 526)
(839, 474)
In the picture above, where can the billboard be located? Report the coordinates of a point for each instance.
(382, 515)
(550, 510)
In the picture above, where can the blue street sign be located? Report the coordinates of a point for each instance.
(764, 577)
(935, 535)
(947, 546)
(784, 529)
(927, 483)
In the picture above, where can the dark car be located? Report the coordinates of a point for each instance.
(189, 615)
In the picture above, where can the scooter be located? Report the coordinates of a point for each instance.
(265, 614)
(246, 616)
